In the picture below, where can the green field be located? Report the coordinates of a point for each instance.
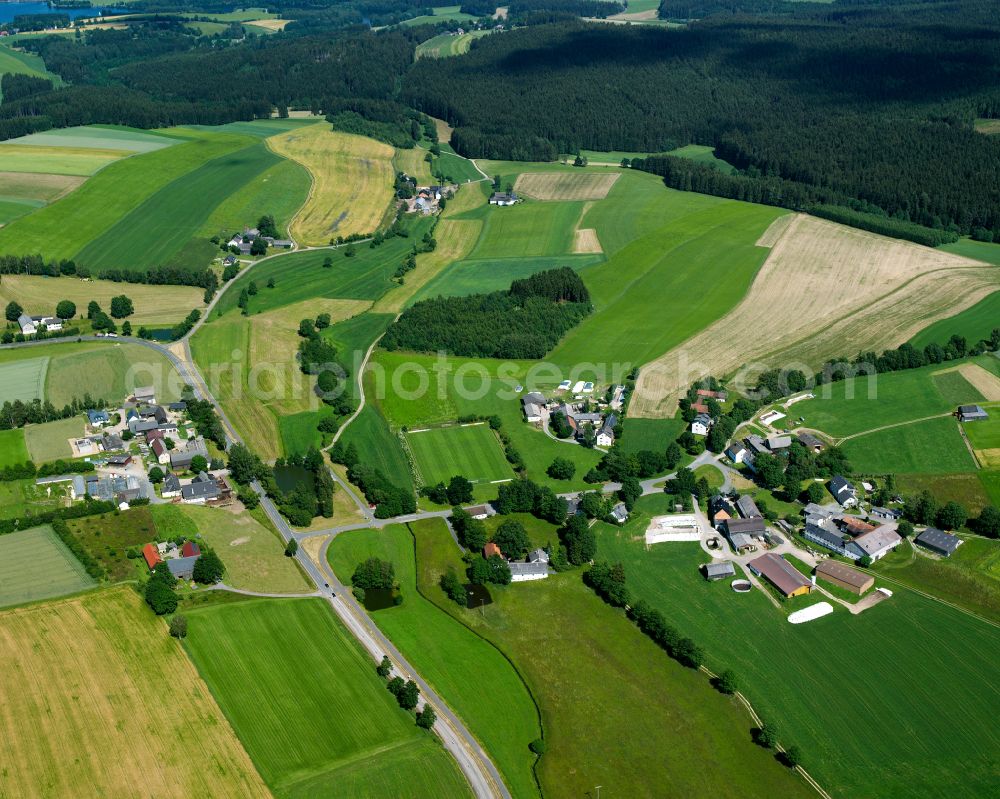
(439, 13)
(472, 451)
(21, 497)
(865, 403)
(462, 278)
(14, 61)
(459, 169)
(64, 228)
(985, 434)
(378, 446)
(651, 434)
(980, 250)
(974, 324)
(448, 44)
(933, 446)
(445, 652)
(964, 487)
(156, 229)
(835, 686)
(308, 706)
(12, 448)
(23, 380)
(49, 441)
(99, 137)
(656, 725)
(35, 565)
(528, 230)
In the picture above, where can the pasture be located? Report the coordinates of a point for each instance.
(98, 674)
(22, 63)
(378, 446)
(472, 451)
(24, 379)
(49, 441)
(575, 654)
(12, 447)
(307, 704)
(951, 733)
(155, 230)
(108, 371)
(254, 556)
(577, 185)
(66, 227)
(964, 487)
(985, 439)
(933, 446)
(56, 160)
(99, 137)
(35, 565)
(454, 166)
(974, 323)
(352, 181)
(448, 44)
(853, 289)
(154, 305)
(33, 189)
(414, 163)
(444, 651)
(528, 230)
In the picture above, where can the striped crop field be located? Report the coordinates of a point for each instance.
(472, 451)
(34, 565)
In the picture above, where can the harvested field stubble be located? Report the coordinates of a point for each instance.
(566, 185)
(845, 291)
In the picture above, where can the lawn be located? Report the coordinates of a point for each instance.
(253, 555)
(24, 379)
(863, 403)
(352, 179)
(91, 685)
(472, 451)
(12, 448)
(63, 229)
(933, 446)
(445, 652)
(49, 441)
(530, 229)
(814, 680)
(35, 565)
(659, 723)
(154, 305)
(308, 706)
(652, 434)
(156, 229)
(974, 324)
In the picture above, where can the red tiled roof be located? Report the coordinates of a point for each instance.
(190, 549)
(491, 549)
(700, 407)
(151, 555)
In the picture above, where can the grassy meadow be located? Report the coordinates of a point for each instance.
(834, 686)
(308, 706)
(13, 450)
(974, 323)
(445, 652)
(93, 685)
(472, 451)
(35, 565)
(933, 446)
(448, 44)
(23, 379)
(576, 654)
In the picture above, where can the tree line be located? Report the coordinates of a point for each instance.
(525, 321)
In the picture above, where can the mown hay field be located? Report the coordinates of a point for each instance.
(850, 290)
(35, 565)
(80, 161)
(308, 706)
(352, 182)
(528, 230)
(109, 371)
(35, 187)
(49, 441)
(414, 163)
(578, 185)
(951, 729)
(23, 380)
(100, 137)
(154, 305)
(504, 719)
(933, 446)
(12, 448)
(472, 451)
(93, 689)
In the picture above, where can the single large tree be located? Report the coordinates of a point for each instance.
(208, 568)
(121, 306)
(13, 311)
(66, 309)
(459, 490)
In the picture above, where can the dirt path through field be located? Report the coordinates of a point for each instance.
(826, 290)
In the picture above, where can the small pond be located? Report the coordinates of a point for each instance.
(379, 598)
(478, 595)
(288, 477)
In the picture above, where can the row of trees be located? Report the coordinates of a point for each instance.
(19, 413)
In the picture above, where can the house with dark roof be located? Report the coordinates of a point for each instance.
(719, 571)
(533, 404)
(972, 413)
(503, 198)
(736, 452)
(781, 574)
(112, 441)
(939, 541)
(889, 514)
(824, 532)
(120, 460)
(182, 568)
(97, 418)
(181, 459)
(702, 424)
(809, 441)
(843, 491)
(776, 443)
(748, 508)
(171, 486)
(200, 490)
(606, 435)
(177, 407)
(619, 513)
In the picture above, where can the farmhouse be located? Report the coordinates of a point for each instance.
(159, 449)
(844, 491)
(878, 543)
(809, 441)
(98, 418)
(823, 532)
(137, 425)
(533, 405)
(538, 556)
(939, 541)
(153, 412)
(781, 574)
(606, 435)
(182, 568)
(971, 413)
(702, 424)
(182, 458)
(479, 511)
(845, 577)
(748, 508)
(812, 509)
(720, 510)
(32, 324)
(190, 550)
(522, 572)
(171, 486)
(855, 526)
(503, 198)
(112, 441)
(619, 513)
(151, 555)
(229, 260)
(719, 571)
(736, 452)
(744, 533)
(721, 396)
(200, 490)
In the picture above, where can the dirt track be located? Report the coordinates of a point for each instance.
(826, 290)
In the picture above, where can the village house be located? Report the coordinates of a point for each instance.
(182, 568)
(479, 511)
(32, 324)
(151, 556)
(702, 424)
(939, 541)
(160, 451)
(491, 549)
(112, 441)
(844, 491)
(181, 459)
(781, 574)
(720, 510)
(503, 198)
(606, 435)
(97, 418)
(533, 405)
(171, 486)
(736, 452)
(824, 532)
(535, 568)
(619, 513)
(200, 490)
(144, 395)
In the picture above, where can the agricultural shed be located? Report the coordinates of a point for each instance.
(878, 542)
(971, 413)
(522, 572)
(809, 441)
(151, 555)
(781, 574)
(182, 568)
(939, 541)
(748, 508)
(719, 571)
(844, 576)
